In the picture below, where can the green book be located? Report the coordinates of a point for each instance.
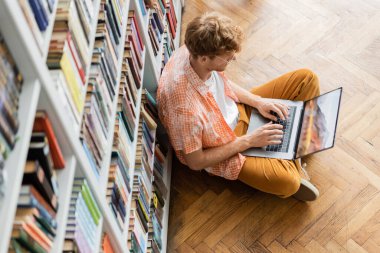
(26, 241)
(90, 202)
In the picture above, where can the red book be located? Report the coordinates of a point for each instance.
(29, 190)
(172, 11)
(134, 50)
(42, 124)
(75, 55)
(132, 16)
(107, 246)
(27, 224)
(171, 25)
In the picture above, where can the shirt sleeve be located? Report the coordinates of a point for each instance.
(229, 168)
(185, 130)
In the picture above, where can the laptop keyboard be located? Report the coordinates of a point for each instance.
(287, 128)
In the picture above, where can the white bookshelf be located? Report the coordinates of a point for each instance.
(167, 181)
(38, 92)
(104, 171)
(14, 165)
(65, 177)
(153, 63)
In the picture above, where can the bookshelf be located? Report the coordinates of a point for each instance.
(40, 91)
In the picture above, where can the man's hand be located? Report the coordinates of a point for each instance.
(268, 134)
(265, 106)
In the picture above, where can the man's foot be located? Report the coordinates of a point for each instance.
(307, 191)
(303, 171)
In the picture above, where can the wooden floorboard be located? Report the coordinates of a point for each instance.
(340, 41)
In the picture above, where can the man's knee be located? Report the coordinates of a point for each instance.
(289, 185)
(310, 79)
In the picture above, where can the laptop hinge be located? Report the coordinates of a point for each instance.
(299, 131)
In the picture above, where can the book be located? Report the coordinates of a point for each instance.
(171, 25)
(107, 246)
(42, 124)
(72, 79)
(89, 199)
(15, 247)
(28, 224)
(26, 241)
(76, 58)
(39, 14)
(30, 198)
(42, 222)
(40, 151)
(29, 16)
(34, 175)
(70, 246)
(66, 98)
(135, 26)
(142, 7)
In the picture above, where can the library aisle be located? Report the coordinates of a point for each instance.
(84, 166)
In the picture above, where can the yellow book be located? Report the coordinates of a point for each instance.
(73, 83)
(148, 119)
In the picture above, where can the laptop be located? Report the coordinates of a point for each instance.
(310, 127)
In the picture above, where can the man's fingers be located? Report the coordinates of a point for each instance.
(281, 110)
(285, 110)
(270, 126)
(274, 142)
(277, 137)
(278, 111)
(270, 116)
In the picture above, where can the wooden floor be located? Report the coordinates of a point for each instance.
(340, 41)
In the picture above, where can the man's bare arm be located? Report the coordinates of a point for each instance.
(265, 106)
(268, 134)
(245, 96)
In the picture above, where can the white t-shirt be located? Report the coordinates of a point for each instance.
(226, 104)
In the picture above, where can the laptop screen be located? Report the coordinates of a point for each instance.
(319, 124)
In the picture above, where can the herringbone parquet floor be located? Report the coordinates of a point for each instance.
(340, 41)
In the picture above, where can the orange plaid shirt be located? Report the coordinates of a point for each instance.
(191, 115)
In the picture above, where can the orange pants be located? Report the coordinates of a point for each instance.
(279, 177)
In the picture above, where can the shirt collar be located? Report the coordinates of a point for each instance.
(193, 77)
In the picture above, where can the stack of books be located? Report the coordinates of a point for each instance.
(69, 53)
(106, 244)
(38, 15)
(169, 33)
(126, 108)
(121, 143)
(84, 221)
(118, 189)
(160, 193)
(35, 223)
(171, 18)
(10, 90)
(168, 47)
(101, 90)
(134, 49)
(142, 184)
(130, 81)
(156, 22)
(159, 188)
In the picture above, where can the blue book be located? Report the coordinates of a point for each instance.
(158, 22)
(142, 7)
(39, 14)
(91, 159)
(28, 200)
